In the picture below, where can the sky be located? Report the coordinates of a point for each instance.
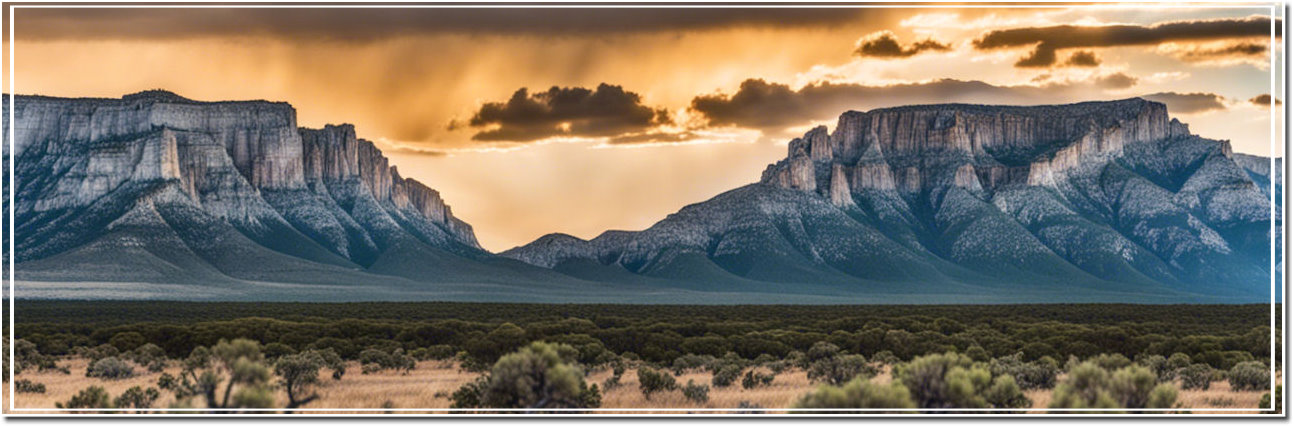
(531, 121)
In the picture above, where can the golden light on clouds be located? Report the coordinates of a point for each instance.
(414, 83)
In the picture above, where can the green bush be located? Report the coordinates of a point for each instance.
(1266, 401)
(149, 356)
(726, 376)
(1249, 375)
(374, 359)
(111, 368)
(689, 362)
(1196, 376)
(91, 397)
(838, 369)
(696, 392)
(28, 386)
(230, 362)
(651, 381)
(858, 393)
(951, 380)
(753, 379)
(1090, 386)
(541, 375)
(1039, 374)
(275, 350)
(138, 398)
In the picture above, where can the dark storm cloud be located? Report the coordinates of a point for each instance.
(1083, 58)
(367, 24)
(774, 107)
(608, 111)
(884, 45)
(1263, 100)
(1188, 103)
(1047, 40)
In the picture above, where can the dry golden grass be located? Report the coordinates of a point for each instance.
(429, 385)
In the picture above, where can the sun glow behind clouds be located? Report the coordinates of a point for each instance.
(404, 88)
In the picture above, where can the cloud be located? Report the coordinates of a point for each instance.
(1047, 40)
(883, 45)
(368, 24)
(1115, 81)
(607, 111)
(1264, 100)
(773, 108)
(1083, 58)
(1218, 54)
(1188, 103)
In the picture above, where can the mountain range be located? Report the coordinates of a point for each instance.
(157, 196)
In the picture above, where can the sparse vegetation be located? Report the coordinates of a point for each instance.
(651, 381)
(1250, 375)
(696, 392)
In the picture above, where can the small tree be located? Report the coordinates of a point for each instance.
(858, 393)
(696, 392)
(137, 398)
(229, 363)
(651, 381)
(299, 373)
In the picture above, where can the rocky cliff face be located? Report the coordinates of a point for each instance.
(206, 172)
(1063, 199)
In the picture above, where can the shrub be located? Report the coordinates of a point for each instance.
(1040, 374)
(137, 398)
(374, 359)
(127, 341)
(726, 376)
(96, 353)
(839, 369)
(433, 353)
(1266, 401)
(277, 350)
(754, 379)
(537, 376)
(111, 368)
(951, 380)
(28, 386)
(1249, 375)
(696, 392)
(858, 393)
(651, 381)
(691, 362)
(28, 357)
(1090, 386)
(149, 356)
(617, 372)
(91, 397)
(1111, 362)
(1196, 376)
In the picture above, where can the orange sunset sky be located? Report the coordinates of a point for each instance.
(579, 120)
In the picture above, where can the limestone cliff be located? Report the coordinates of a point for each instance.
(244, 163)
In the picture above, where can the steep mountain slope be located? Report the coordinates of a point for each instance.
(157, 188)
(944, 199)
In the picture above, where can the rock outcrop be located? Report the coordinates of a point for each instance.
(1066, 200)
(86, 168)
